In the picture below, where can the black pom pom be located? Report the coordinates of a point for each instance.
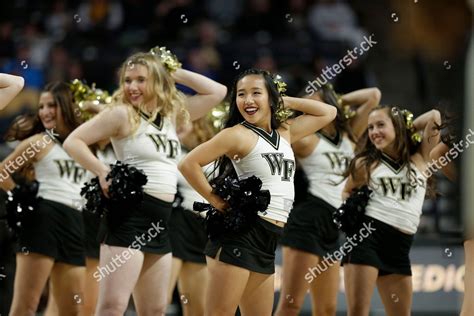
(20, 203)
(125, 190)
(95, 199)
(348, 217)
(245, 199)
(127, 183)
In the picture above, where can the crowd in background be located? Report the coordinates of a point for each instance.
(64, 40)
(44, 41)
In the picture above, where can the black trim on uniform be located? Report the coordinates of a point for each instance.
(272, 138)
(395, 166)
(157, 123)
(50, 133)
(336, 140)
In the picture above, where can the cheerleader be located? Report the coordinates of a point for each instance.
(51, 236)
(393, 167)
(187, 234)
(310, 233)
(241, 265)
(10, 86)
(105, 153)
(135, 254)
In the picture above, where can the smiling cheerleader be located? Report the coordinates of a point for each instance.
(141, 124)
(51, 235)
(392, 162)
(254, 143)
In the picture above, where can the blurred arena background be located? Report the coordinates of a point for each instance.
(422, 56)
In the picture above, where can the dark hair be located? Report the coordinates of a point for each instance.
(329, 96)
(368, 154)
(273, 95)
(22, 127)
(28, 125)
(224, 164)
(447, 128)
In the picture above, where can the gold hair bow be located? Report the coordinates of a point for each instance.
(166, 57)
(282, 114)
(335, 99)
(415, 136)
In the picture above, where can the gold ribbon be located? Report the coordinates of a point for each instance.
(167, 58)
(335, 99)
(282, 114)
(415, 136)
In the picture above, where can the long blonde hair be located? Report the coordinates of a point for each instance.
(161, 86)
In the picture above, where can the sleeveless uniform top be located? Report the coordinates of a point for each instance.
(395, 200)
(107, 155)
(187, 192)
(153, 148)
(60, 177)
(325, 165)
(272, 160)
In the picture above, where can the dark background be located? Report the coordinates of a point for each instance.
(418, 62)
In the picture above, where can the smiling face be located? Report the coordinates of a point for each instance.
(253, 101)
(135, 83)
(381, 131)
(49, 112)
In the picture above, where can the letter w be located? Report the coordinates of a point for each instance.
(65, 166)
(391, 184)
(275, 161)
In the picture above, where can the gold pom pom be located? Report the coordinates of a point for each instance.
(218, 115)
(83, 95)
(167, 58)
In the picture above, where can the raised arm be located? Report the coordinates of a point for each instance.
(209, 92)
(316, 115)
(224, 143)
(364, 100)
(106, 124)
(431, 135)
(10, 86)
